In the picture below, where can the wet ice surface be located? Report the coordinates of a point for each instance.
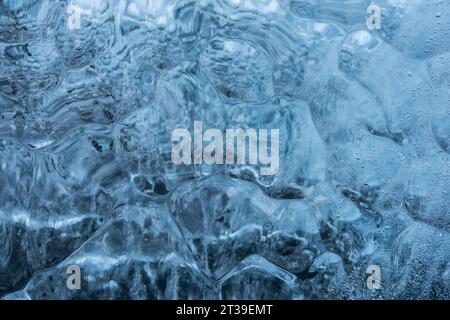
(86, 176)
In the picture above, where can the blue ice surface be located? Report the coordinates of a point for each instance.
(86, 176)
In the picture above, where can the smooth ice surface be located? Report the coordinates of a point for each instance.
(86, 176)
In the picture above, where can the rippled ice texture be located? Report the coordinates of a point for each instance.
(86, 176)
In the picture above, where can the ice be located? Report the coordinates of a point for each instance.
(247, 70)
(428, 199)
(91, 91)
(257, 278)
(421, 264)
(421, 38)
(345, 13)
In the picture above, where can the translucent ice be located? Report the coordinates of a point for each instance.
(90, 92)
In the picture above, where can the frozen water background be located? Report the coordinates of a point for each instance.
(85, 171)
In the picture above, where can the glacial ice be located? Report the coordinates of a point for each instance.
(86, 176)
